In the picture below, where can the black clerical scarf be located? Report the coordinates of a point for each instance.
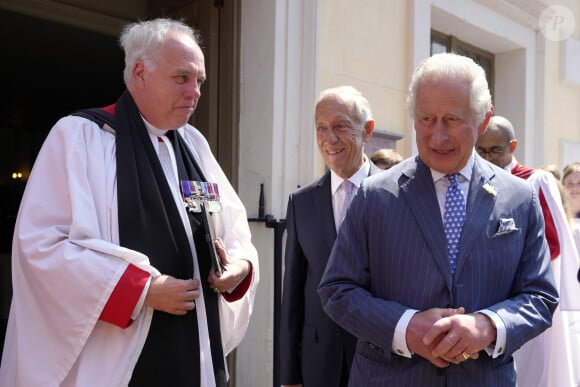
(188, 169)
(149, 222)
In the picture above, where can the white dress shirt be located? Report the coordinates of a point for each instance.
(338, 193)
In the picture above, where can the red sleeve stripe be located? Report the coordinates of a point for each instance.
(122, 301)
(550, 227)
(241, 289)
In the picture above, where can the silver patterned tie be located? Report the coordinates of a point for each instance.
(348, 188)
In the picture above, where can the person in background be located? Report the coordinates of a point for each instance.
(553, 169)
(551, 359)
(385, 158)
(430, 270)
(315, 351)
(497, 145)
(571, 182)
(112, 275)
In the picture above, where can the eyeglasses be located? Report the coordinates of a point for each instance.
(493, 151)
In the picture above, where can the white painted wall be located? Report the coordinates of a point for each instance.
(364, 44)
(278, 83)
(562, 104)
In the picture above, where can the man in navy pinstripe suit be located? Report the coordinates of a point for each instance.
(418, 320)
(314, 350)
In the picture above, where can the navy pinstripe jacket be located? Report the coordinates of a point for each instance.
(390, 255)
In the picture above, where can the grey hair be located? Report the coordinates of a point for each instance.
(141, 41)
(362, 107)
(442, 67)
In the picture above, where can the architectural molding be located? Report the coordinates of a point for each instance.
(524, 12)
(67, 14)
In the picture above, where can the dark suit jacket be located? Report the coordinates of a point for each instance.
(312, 346)
(391, 256)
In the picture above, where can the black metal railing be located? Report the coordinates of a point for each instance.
(279, 227)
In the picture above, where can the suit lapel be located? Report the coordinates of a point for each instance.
(480, 203)
(419, 193)
(322, 198)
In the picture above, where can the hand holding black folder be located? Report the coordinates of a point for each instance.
(211, 238)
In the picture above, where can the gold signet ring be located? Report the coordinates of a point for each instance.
(465, 356)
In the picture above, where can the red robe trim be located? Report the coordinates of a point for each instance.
(524, 172)
(122, 301)
(241, 289)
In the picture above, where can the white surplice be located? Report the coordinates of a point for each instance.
(552, 359)
(66, 261)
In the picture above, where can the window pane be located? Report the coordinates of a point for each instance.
(439, 43)
(438, 48)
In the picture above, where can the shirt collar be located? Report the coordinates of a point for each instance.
(356, 179)
(511, 165)
(153, 131)
(466, 171)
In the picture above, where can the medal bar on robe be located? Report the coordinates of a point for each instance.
(195, 192)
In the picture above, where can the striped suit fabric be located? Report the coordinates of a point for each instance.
(390, 256)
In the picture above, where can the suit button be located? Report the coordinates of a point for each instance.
(338, 331)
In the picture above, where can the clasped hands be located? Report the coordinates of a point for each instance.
(445, 336)
(177, 296)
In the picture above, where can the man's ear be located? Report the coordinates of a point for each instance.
(513, 145)
(139, 70)
(369, 127)
(483, 127)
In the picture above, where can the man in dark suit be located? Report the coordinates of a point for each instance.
(435, 301)
(315, 351)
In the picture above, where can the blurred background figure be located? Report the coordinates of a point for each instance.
(385, 158)
(553, 169)
(571, 183)
(497, 145)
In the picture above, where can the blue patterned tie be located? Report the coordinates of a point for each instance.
(454, 218)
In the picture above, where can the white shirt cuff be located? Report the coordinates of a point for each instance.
(400, 337)
(141, 300)
(501, 338)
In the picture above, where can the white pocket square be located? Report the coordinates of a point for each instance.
(506, 226)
